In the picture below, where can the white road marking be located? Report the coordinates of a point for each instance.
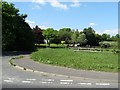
(105, 84)
(31, 79)
(8, 81)
(66, 80)
(85, 83)
(45, 82)
(26, 81)
(65, 83)
(48, 79)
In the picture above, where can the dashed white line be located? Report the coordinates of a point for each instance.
(45, 82)
(65, 83)
(26, 81)
(66, 80)
(85, 83)
(48, 80)
(31, 79)
(105, 84)
(8, 81)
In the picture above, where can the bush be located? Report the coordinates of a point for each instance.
(105, 45)
(115, 51)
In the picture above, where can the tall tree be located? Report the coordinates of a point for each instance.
(39, 38)
(56, 38)
(65, 34)
(74, 36)
(105, 37)
(49, 35)
(90, 36)
(82, 39)
(16, 33)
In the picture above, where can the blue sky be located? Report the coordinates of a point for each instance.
(101, 16)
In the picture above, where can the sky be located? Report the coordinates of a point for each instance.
(101, 16)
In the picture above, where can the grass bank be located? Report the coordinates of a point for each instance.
(99, 61)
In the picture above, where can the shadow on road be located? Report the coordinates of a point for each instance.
(15, 53)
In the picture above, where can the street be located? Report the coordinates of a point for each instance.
(16, 78)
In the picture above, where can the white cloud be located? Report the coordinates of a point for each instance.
(43, 27)
(92, 24)
(39, 1)
(31, 23)
(108, 31)
(76, 3)
(36, 7)
(57, 4)
(53, 3)
(111, 32)
(28, 21)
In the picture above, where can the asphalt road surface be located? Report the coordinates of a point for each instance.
(15, 78)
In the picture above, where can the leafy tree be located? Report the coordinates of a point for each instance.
(98, 38)
(105, 37)
(16, 33)
(117, 35)
(65, 34)
(82, 39)
(49, 35)
(74, 37)
(39, 38)
(90, 36)
(77, 32)
(56, 38)
(115, 38)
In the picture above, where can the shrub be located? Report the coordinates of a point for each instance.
(105, 45)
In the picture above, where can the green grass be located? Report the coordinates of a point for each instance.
(100, 61)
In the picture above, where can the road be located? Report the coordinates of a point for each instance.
(16, 78)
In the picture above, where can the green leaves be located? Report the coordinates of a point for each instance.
(17, 34)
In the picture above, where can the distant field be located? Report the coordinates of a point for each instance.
(100, 61)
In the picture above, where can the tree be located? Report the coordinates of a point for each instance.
(115, 38)
(39, 38)
(82, 39)
(105, 37)
(65, 34)
(74, 36)
(90, 36)
(16, 33)
(49, 35)
(98, 38)
(56, 38)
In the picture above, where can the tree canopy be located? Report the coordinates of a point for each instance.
(16, 33)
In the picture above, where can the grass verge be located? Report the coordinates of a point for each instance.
(100, 61)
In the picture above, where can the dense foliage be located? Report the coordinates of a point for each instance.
(39, 38)
(86, 37)
(16, 33)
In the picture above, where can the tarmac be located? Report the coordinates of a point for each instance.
(28, 64)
